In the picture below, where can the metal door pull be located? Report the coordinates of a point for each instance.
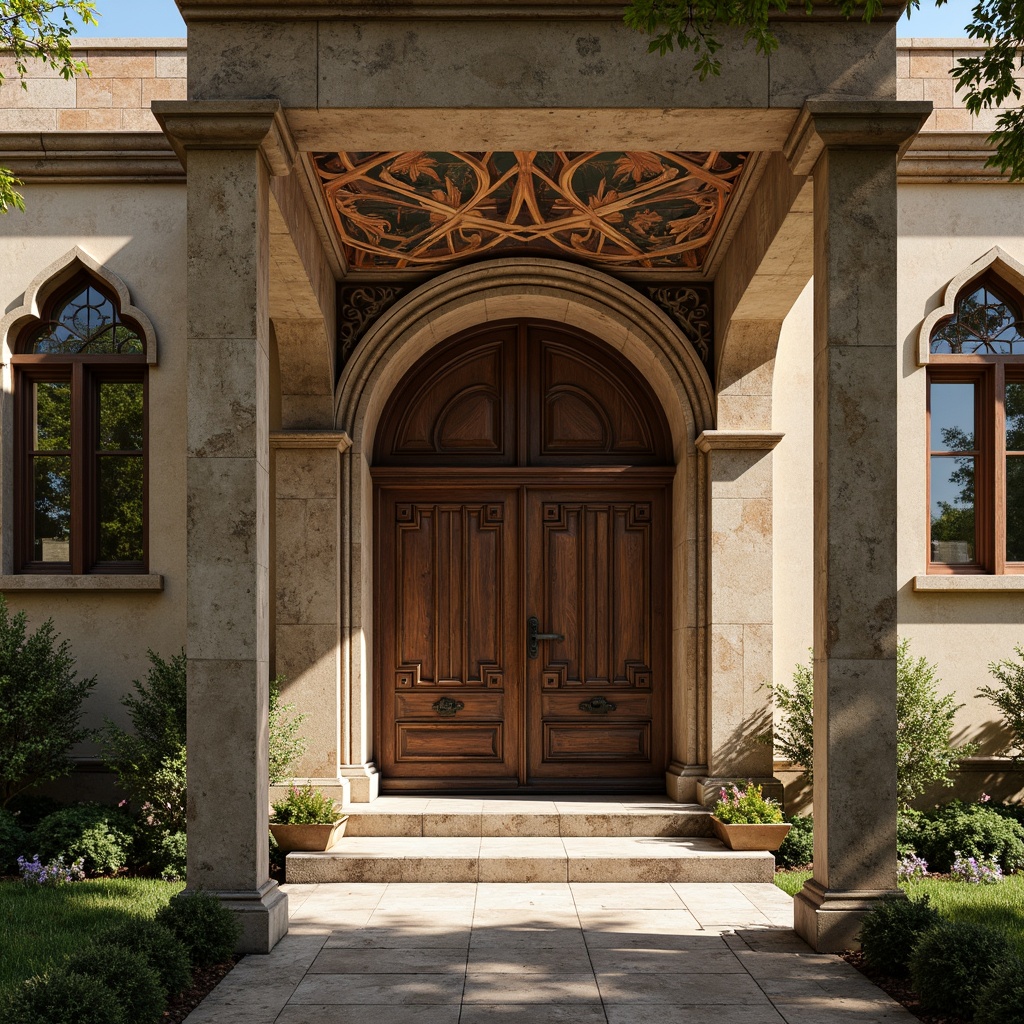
(533, 637)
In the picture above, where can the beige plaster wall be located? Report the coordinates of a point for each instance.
(138, 232)
(944, 229)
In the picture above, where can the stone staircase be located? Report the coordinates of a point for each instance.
(521, 839)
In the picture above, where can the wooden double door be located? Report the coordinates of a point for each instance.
(522, 557)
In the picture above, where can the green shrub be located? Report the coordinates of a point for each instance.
(40, 705)
(64, 998)
(973, 830)
(162, 949)
(908, 825)
(304, 806)
(100, 836)
(797, 849)
(127, 974)
(167, 854)
(1015, 812)
(953, 962)
(1002, 999)
(889, 933)
(285, 744)
(1009, 698)
(205, 928)
(13, 842)
(925, 755)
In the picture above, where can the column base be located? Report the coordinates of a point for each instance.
(262, 913)
(337, 788)
(709, 787)
(681, 781)
(828, 920)
(364, 781)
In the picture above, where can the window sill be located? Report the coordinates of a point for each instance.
(968, 584)
(97, 581)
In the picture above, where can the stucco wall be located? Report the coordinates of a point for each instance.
(138, 232)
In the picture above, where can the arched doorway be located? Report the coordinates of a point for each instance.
(522, 474)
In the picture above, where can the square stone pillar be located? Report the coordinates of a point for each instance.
(307, 650)
(230, 150)
(852, 150)
(740, 618)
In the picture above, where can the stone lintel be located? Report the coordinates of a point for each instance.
(738, 440)
(232, 125)
(324, 439)
(942, 158)
(835, 123)
(90, 157)
(829, 920)
(89, 582)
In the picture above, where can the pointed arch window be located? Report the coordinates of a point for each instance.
(80, 382)
(976, 432)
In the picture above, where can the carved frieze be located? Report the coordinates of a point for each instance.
(690, 307)
(358, 307)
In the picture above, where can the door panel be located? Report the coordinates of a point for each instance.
(448, 614)
(596, 575)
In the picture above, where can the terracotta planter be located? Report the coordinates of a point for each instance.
(308, 838)
(751, 837)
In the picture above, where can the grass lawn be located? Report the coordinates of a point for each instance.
(39, 926)
(999, 905)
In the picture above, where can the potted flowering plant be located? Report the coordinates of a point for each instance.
(744, 819)
(306, 820)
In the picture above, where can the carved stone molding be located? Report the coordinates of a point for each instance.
(358, 307)
(690, 309)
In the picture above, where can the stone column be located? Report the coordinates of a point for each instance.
(230, 151)
(853, 149)
(739, 489)
(307, 472)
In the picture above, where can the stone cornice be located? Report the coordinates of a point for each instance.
(836, 123)
(950, 158)
(320, 439)
(241, 124)
(738, 440)
(90, 157)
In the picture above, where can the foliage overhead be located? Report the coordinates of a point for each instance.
(40, 704)
(985, 81)
(39, 30)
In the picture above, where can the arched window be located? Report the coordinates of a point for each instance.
(80, 435)
(976, 432)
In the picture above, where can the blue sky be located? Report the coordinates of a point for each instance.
(151, 18)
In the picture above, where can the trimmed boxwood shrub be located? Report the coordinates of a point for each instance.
(203, 925)
(953, 962)
(889, 933)
(13, 842)
(64, 998)
(100, 836)
(973, 830)
(164, 852)
(127, 974)
(797, 849)
(164, 952)
(1002, 999)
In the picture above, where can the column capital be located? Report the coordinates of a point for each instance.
(738, 440)
(306, 439)
(241, 124)
(829, 123)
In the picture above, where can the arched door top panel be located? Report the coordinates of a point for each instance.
(523, 393)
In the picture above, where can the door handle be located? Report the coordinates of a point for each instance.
(533, 637)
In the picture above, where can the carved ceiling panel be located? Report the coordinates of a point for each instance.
(625, 210)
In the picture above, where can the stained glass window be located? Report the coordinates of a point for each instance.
(985, 323)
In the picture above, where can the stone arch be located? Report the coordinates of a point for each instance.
(561, 293)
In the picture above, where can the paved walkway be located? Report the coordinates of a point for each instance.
(565, 953)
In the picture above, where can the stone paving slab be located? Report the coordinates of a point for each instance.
(546, 953)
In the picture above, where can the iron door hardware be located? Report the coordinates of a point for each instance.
(597, 705)
(533, 637)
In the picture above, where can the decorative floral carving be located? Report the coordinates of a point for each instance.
(623, 209)
(689, 306)
(359, 306)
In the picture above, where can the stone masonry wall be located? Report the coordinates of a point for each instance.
(127, 74)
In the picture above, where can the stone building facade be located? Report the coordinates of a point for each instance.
(440, 319)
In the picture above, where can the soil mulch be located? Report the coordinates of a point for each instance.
(204, 981)
(898, 988)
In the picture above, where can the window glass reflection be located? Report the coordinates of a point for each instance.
(952, 417)
(51, 506)
(952, 509)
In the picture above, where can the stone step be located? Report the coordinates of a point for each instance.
(529, 859)
(518, 817)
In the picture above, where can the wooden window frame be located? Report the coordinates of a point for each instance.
(990, 373)
(85, 372)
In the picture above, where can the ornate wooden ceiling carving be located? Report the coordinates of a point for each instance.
(431, 210)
